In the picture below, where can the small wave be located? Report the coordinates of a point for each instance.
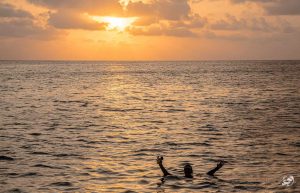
(150, 150)
(296, 144)
(29, 174)
(39, 153)
(168, 100)
(196, 144)
(171, 143)
(6, 158)
(120, 110)
(129, 191)
(72, 128)
(105, 171)
(12, 174)
(66, 155)
(248, 188)
(249, 183)
(61, 184)
(140, 154)
(71, 101)
(63, 109)
(195, 155)
(82, 140)
(35, 134)
(20, 124)
(84, 174)
(175, 110)
(204, 185)
(282, 154)
(143, 182)
(158, 122)
(46, 166)
(15, 190)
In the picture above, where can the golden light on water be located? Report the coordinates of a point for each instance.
(115, 23)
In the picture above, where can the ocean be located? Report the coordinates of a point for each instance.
(97, 126)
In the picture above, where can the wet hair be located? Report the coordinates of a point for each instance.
(188, 171)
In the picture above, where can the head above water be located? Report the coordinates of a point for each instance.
(188, 171)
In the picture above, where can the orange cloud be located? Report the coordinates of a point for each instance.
(8, 10)
(159, 29)
(15, 22)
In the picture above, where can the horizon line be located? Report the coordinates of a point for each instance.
(154, 60)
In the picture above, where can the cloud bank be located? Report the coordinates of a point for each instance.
(177, 24)
(276, 7)
(154, 18)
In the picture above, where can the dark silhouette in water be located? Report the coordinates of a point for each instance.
(188, 170)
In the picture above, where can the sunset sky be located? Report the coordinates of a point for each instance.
(149, 29)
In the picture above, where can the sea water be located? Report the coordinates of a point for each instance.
(91, 126)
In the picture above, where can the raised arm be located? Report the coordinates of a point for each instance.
(163, 169)
(213, 171)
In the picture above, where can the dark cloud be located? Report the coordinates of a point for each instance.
(72, 14)
(232, 23)
(20, 23)
(162, 30)
(286, 7)
(164, 18)
(196, 21)
(161, 9)
(17, 28)
(277, 7)
(71, 20)
(25, 28)
(96, 7)
(8, 10)
(230, 37)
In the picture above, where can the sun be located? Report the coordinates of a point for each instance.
(115, 23)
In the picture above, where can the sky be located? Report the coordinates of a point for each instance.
(149, 29)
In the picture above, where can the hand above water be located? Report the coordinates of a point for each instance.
(221, 163)
(159, 159)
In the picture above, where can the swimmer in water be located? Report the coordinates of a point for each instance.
(188, 170)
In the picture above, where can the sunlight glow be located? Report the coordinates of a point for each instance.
(115, 23)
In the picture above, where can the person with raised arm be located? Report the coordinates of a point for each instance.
(188, 170)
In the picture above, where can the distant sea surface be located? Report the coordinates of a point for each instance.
(98, 126)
